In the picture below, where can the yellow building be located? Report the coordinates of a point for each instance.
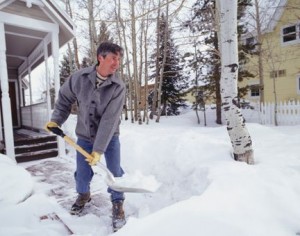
(280, 60)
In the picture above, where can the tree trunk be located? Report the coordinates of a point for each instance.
(238, 133)
(76, 57)
(217, 81)
(137, 114)
(218, 101)
(154, 99)
(163, 66)
(146, 117)
(196, 80)
(122, 67)
(141, 70)
(92, 31)
(122, 25)
(260, 54)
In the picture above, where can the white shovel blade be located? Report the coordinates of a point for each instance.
(136, 183)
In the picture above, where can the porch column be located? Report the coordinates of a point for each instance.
(48, 97)
(30, 93)
(55, 50)
(7, 118)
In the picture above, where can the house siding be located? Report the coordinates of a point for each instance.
(279, 56)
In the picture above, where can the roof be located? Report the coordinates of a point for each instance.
(270, 12)
(27, 23)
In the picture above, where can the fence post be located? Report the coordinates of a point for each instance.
(262, 113)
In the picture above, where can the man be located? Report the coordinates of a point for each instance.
(100, 96)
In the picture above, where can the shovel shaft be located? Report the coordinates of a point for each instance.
(110, 176)
(76, 146)
(58, 131)
(111, 181)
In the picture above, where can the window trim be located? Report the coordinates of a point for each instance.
(298, 84)
(256, 87)
(253, 41)
(278, 73)
(297, 40)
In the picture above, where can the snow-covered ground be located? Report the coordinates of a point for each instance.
(203, 190)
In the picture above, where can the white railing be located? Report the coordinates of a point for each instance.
(35, 116)
(288, 113)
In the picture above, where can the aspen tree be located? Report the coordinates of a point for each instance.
(238, 133)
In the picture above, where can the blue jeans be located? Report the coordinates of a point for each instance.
(84, 173)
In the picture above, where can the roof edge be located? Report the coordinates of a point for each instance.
(276, 16)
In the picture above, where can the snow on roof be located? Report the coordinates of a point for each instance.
(270, 12)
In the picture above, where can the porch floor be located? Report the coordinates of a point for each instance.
(21, 134)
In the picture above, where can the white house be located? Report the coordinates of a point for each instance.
(31, 31)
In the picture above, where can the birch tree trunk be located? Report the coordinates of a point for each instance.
(146, 90)
(154, 101)
(137, 114)
(238, 133)
(92, 31)
(162, 67)
(141, 54)
(121, 23)
(120, 40)
(260, 54)
(76, 57)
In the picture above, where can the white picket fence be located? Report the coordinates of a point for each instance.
(288, 113)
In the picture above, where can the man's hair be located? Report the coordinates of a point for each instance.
(108, 47)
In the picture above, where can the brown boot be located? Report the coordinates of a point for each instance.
(118, 215)
(81, 200)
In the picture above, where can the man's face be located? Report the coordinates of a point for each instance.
(109, 64)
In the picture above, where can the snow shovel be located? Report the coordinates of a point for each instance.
(126, 183)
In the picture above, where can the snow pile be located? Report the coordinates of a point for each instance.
(203, 190)
(16, 182)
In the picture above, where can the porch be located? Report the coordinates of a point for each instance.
(33, 145)
(31, 34)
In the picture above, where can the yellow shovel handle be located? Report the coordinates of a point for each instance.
(77, 147)
(110, 176)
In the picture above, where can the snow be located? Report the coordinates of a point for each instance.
(267, 9)
(203, 190)
(15, 174)
(136, 182)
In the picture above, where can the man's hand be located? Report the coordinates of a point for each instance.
(49, 125)
(94, 158)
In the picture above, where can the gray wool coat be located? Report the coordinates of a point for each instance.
(99, 109)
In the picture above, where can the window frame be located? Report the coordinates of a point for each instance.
(252, 93)
(278, 73)
(298, 84)
(251, 40)
(297, 34)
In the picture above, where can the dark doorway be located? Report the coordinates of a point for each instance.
(13, 103)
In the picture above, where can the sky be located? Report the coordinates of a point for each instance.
(203, 191)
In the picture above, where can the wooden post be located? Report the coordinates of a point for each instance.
(55, 49)
(7, 118)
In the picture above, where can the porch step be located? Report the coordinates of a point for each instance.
(32, 156)
(35, 140)
(35, 146)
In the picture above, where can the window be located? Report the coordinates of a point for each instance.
(281, 73)
(298, 84)
(251, 42)
(273, 74)
(254, 91)
(291, 33)
(277, 73)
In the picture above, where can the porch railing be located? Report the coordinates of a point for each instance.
(35, 116)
